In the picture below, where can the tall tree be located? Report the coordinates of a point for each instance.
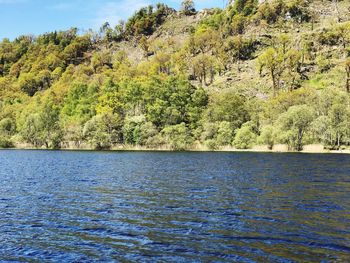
(188, 7)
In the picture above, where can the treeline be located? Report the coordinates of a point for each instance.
(287, 83)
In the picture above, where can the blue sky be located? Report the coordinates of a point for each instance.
(20, 17)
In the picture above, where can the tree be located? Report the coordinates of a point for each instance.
(267, 136)
(188, 7)
(245, 7)
(294, 124)
(322, 131)
(27, 83)
(292, 60)
(106, 32)
(103, 131)
(50, 128)
(272, 60)
(72, 133)
(100, 60)
(7, 129)
(32, 130)
(144, 45)
(203, 66)
(347, 70)
(131, 130)
(80, 102)
(178, 137)
(245, 137)
(224, 134)
(229, 107)
(339, 119)
(42, 126)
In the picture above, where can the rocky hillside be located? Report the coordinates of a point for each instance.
(276, 72)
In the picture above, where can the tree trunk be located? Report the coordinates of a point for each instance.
(300, 141)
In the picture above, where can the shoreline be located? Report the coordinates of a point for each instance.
(308, 149)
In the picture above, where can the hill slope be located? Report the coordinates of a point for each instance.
(270, 73)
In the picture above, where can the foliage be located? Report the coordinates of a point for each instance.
(187, 7)
(245, 7)
(275, 72)
(102, 131)
(229, 107)
(267, 136)
(178, 137)
(294, 124)
(146, 20)
(245, 137)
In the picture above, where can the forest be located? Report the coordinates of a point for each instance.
(254, 73)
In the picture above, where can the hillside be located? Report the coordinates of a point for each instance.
(276, 72)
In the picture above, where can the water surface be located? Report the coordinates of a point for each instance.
(174, 207)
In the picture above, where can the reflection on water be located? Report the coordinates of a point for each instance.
(149, 207)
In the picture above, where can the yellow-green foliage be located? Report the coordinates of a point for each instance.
(247, 74)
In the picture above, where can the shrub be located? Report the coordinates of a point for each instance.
(267, 136)
(225, 134)
(294, 124)
(5, 142)
(245, 137)
(178, 137)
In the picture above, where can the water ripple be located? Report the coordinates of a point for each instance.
(173, 207)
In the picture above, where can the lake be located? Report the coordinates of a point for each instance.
(173, 207)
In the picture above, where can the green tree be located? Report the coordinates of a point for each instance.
(267, 136)
(132, 131)
(7, 129)
(103, 131)
(294, 124)
(178, 137)
(246, 7)
(347, 70)
(340, 122)
(50, 128)
(32, 130)
(188, 7)
(229, 107)
(272, 60)
(224, 134)
(80, 102)
(322, 131)
(245, 137)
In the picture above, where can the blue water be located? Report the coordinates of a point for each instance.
(173, 207)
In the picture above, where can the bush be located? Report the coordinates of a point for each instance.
(238, 24)
(211, 144)
(146, 20)
(294, 124)
(225, 134)
(137, 131)
(267, 136)
(178, 137)
(245, 137)
(5, 142)
(187, 7)
(245, 7)
(102, 131)
(7, 127)
(229, 107)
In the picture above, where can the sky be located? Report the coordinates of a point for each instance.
(23, 17)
